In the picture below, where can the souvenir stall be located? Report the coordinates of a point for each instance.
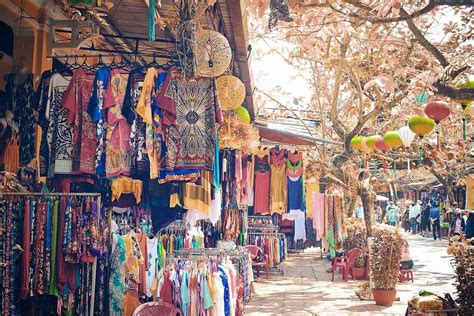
(121, 148)
(328, 221)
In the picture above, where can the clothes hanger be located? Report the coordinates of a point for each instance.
(153, 63)
(75, 65)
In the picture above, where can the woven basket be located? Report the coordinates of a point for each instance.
(231, 92)
(212, 53)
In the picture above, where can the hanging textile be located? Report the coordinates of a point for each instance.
(140, 164)
(84, 141)
(60, 133)
(278, 185)
(117, 148)
(20, 101)
(191, 139)
(262, 183)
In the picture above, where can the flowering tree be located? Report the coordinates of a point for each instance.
(369, 66)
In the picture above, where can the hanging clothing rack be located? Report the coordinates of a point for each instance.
(72, 194)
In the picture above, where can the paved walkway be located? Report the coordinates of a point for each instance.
(305, 288)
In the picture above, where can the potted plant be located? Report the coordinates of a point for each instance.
(385, 254)
(357, 238)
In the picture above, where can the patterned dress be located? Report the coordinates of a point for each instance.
(191, 139)
(140, 164)
(85, 135)
(262, 184)
(20, 100)
(60, 133)
(117, 278)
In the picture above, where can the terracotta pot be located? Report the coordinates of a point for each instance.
(359, 273)
(384, 297)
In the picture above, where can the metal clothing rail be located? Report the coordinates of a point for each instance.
(72, 194)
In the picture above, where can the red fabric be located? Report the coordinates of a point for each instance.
(66, 271)
(25, 260)
(166, 291)
(144, 267)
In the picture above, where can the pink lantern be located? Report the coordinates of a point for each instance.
(380, 144)
(437, 110)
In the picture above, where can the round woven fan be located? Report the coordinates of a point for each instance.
(212, 53)
(231, 92)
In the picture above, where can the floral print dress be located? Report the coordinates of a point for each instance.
(117, 278)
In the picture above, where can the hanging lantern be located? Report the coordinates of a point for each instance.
(380, 144)
(356, 142)
(437, 110)
(392, 140)
(406, 135)
(231, 92)
(421, 125)
(364, 146)
(243, 114)
(212, 53)
(370, 141)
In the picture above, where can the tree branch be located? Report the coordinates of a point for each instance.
(424, 42)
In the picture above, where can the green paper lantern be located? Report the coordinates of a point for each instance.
(392, 139)
(244, 114)
(370, 141)
(356, 142)
(421, 125)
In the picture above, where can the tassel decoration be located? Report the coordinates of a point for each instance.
(464, 134)
(151, 20)
(420, 158)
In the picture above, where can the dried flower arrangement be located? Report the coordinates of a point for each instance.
(236, 134)
(356, 238)
(462, 250)
(385, 255)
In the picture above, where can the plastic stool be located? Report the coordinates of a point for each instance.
(406, 276)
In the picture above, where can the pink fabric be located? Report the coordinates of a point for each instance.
(318, 214)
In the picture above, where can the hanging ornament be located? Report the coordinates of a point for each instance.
(437, 110)
(421, 125)
(356, 142)
(420, 158)
(244, 114)
(380, 144)
(395, 167)
(392, 140)
(361, 164)
(408, 165)
(464, 129)
(151, 20)
(406, 135)
(212, 53)
(231, 92)
(365, 147)
(422, 98)
(370, 141)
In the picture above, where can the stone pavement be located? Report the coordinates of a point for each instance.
(305, 288)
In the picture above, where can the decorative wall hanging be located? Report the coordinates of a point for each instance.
(437, 110)
(421, 125)
(392, 140)
(212, 53)
(231, 92)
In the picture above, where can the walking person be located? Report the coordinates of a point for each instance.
(435, 220)
(425, 220)
(390, 213)
(414, 212)
(457, 224)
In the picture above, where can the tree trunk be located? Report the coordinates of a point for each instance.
(367, 196)
(350, 206)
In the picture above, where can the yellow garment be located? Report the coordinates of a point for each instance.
(278, 188)
(146, 97)
(469, 193)
(38, 134)
(11, 155)
(198, 197)
(310, 188)
(133, 260)
(124, 185)
(212, 292)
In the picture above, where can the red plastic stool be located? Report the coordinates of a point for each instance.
(406, 276)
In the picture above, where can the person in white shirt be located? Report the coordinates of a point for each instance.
(415, 211)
